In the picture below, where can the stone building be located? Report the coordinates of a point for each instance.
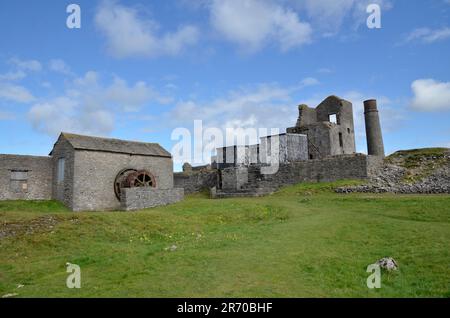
(92, 174)
(329, 128)
(289, 148)
(321, 147)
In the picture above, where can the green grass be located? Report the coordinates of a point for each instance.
(304, 241)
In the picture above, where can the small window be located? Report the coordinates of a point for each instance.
(61, 168)
(341, 142)
(332, 118)
(348, 130)
(19, 181)
(19, 175)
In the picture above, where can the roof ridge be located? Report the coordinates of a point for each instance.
(115, 145)
(108, 138)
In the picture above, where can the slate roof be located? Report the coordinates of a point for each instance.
(80, 142)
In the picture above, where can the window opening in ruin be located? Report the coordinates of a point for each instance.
(61, 168)
(341, 142)
(19, 181)
(348, 130)
(332, 118)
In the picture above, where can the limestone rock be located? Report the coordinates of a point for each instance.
(388, 263)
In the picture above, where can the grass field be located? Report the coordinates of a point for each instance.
(304, 241)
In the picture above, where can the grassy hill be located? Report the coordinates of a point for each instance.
(419, 163)
(304, 241)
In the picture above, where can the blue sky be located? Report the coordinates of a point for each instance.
(138, 69)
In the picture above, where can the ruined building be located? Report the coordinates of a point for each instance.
(329, 128)
(92, 174)
(321, 147)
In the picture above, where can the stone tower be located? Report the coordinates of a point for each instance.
(329, 128)
(374, 136)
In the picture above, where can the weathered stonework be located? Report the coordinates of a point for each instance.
(94, 174)
(250, 180)
(291, 148)
(35, 182)
(143, 198)
(326, 138)
(374, 135)
(233, 178)
(89, 173)
(321, 147)
(195, 181)
(82, 172)
(63, 190)
(325, 170)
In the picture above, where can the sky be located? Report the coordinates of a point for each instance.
(138, 70)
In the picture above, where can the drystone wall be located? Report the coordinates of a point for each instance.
(195, 181)
(143, 198)
(325, 170)
(319, 170)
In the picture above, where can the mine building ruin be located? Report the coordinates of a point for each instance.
(321, 147)
(329, 128)
(92, 174)
(95, 174)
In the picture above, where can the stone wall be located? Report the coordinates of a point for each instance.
(325, 170)
(324, 137)
(25, 177)
(291, 147)
(232, 156)
(195, 181)
(319, 170)
(95, 173)
(143, 198)
(63, 190)
(233, 178)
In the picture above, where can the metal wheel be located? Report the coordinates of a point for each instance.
(141, 178)
(120, 181)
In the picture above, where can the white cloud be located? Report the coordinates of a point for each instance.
(309, 81)
(129, 34)
(65, 114)
(26, 65)
(329, 15)
(6, 115)
(15, 93)
(13, 76)
(46, 84)
(90, 107)
(20, 69)
(253, 24)
(131, 98)
(427, 35)
(261, 106)
(324, 70)
(59, 66)
(430, 95)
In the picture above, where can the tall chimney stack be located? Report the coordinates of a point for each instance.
(374, 135)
